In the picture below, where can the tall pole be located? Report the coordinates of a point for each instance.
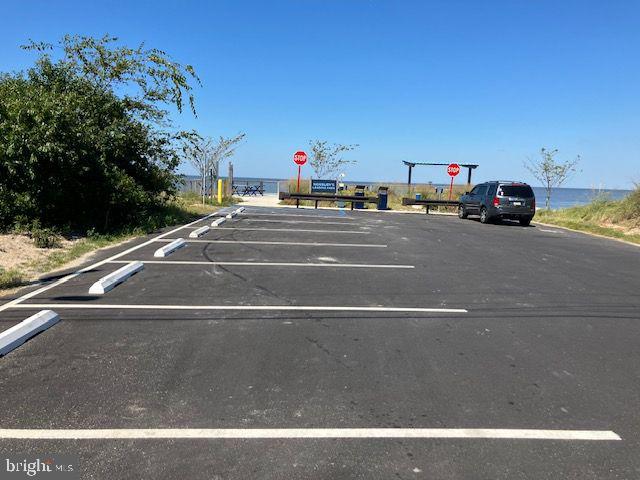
(299, 167)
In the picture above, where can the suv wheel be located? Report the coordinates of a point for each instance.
(525, 221)
(484, 215)
(462, 213)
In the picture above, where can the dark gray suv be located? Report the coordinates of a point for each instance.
(499, 199)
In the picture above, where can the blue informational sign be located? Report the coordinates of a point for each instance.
(323, 186)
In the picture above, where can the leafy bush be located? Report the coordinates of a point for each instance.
(45, 238)
(75, 154)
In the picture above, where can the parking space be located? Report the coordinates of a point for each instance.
(327, 344)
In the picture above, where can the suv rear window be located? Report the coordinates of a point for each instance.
(515, 191)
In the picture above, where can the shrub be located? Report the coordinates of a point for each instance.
(77, 152)
(45, 238)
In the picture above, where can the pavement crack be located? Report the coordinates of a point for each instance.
(272, 294)
(324, 349)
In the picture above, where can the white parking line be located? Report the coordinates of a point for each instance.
(266, 264)
(95, 265)
(293, 230)
(291, 308)
(261, 242)
(333, 217)
(292, 221)
(306, 433)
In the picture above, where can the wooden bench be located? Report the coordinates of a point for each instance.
(323, 197)
(429, 203)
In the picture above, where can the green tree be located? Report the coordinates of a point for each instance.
(550, 172)
(205, 154)
(327, 160)
(75, 151)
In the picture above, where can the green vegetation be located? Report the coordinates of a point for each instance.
(75, 152)
(45, 237)
(182, 209)
(550, 172)
(617, 219)
(11, 278)
(205, 155)
(327, 160)
(88, 154)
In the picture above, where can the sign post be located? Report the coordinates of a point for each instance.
(299, 158)
(453, 169)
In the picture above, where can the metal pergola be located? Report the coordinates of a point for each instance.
(468, 166)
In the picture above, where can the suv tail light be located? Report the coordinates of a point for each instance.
(533, 204)
(496, 201)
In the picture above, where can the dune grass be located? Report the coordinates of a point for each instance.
(610, 218)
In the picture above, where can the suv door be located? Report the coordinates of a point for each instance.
(475, 198)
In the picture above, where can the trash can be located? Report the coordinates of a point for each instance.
(383, 197)
(341, 189)
(418, 196)
(359, 193)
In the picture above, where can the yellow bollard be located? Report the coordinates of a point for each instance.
(219, 190)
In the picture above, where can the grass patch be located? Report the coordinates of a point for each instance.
(183, 209)
(615, 219)
(180, 211)
(79, 248)
(11, 278)
(193, 200)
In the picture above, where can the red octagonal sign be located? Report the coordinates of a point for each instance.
(300, 158)
(453, 169)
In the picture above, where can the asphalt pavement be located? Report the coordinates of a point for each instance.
(325, 344)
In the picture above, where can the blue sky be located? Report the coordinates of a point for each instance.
(486, 82)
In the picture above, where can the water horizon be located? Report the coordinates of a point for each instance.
(561, 197)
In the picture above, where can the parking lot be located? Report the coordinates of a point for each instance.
(301, 343)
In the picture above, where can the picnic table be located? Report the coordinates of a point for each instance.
(245, 190)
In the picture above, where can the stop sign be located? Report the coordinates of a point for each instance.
(453, 169)
(300, 158)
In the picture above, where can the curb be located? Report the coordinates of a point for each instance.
(199, 232)
(218, 222)
(235, 212)
(110, 281)
(169, 248)
(20, 333)
(222, 212)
